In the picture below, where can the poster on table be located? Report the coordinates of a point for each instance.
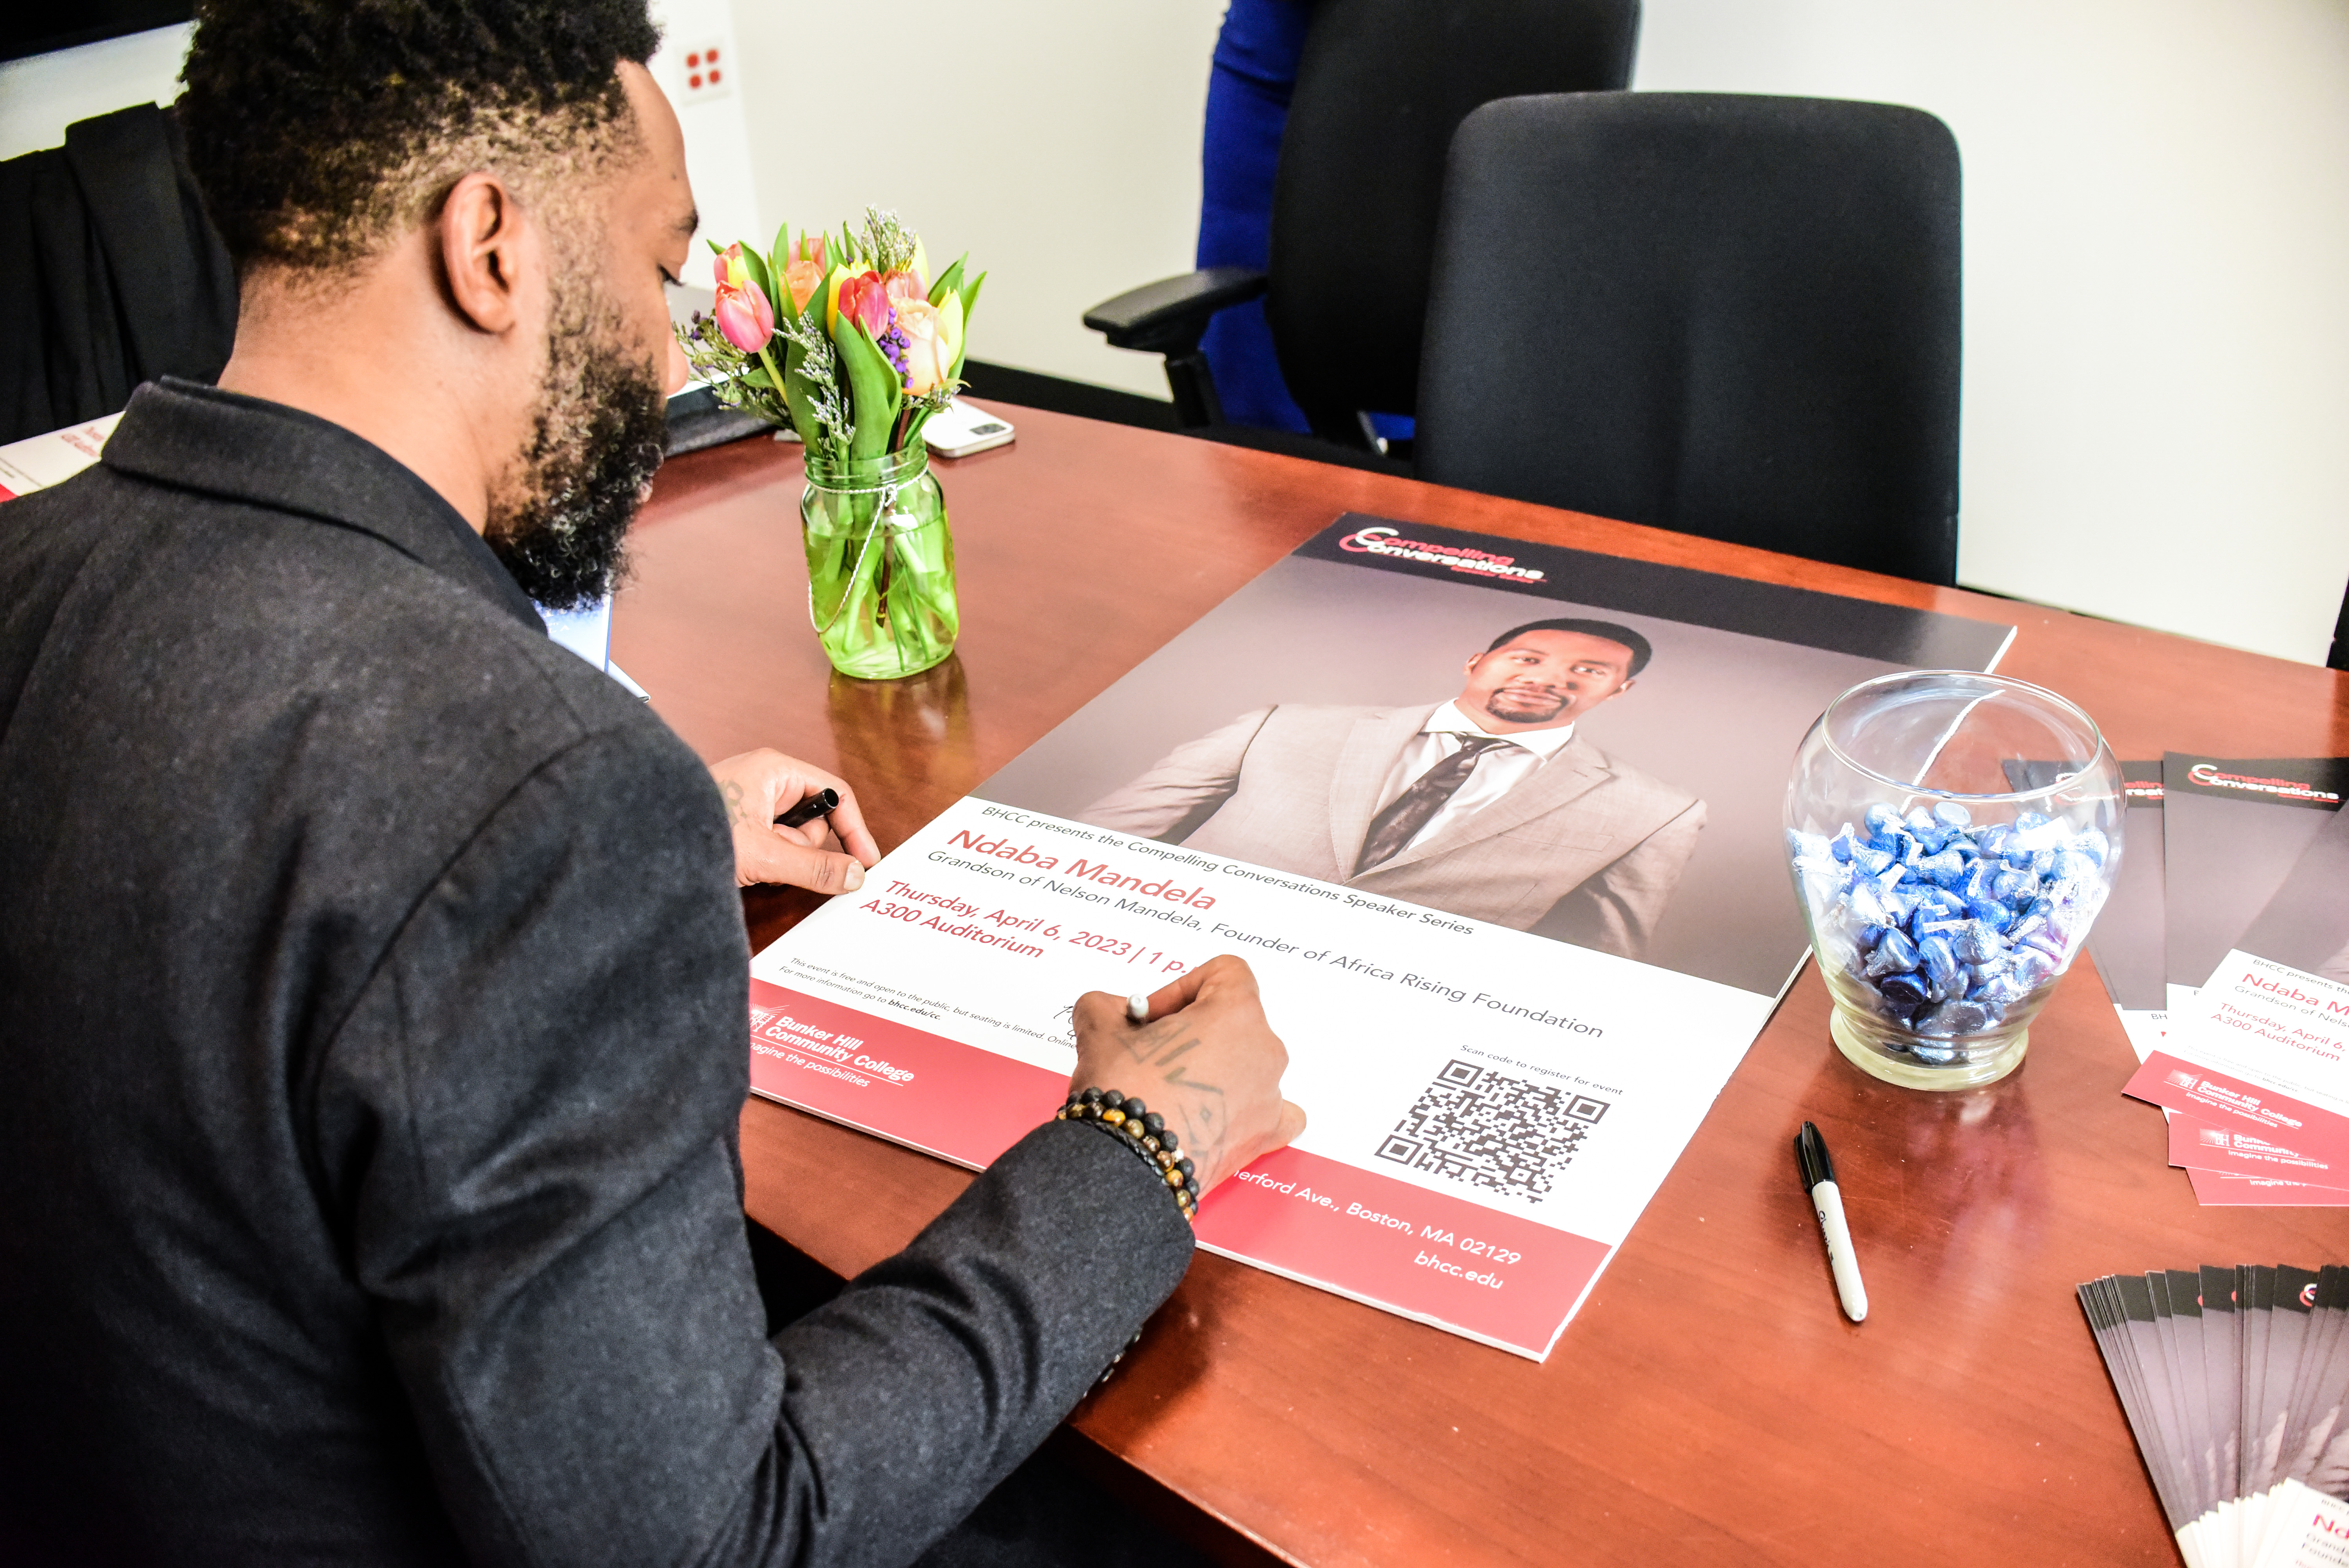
(1512, 967)
(2256, 1068)
(2232, 829)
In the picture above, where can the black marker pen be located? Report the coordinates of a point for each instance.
(820, 804)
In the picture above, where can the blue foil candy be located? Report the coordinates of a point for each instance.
(1894, 954)
(1990, 913)
(1943, 869)
(1958, 1017)
(1949, 925)
(1904, 988)
(1941, 967)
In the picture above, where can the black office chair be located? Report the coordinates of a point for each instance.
(2339, 659)
(111, 275)
(1379, 89)
(1728, 316)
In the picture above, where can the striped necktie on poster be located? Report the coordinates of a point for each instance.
(1417, 806)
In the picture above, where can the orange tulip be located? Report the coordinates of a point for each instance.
(802, 278)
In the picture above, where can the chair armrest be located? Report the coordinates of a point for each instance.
(1169, 315)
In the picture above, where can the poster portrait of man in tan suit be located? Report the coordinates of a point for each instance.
(1488, 805)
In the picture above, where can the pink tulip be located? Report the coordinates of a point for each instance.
(744, 316)
(927, 364)
(903, 286)
(863, 298)
(728, 269)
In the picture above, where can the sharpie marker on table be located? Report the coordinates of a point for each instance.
(1827, 1198)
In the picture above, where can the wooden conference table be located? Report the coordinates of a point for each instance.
(1709, 1404)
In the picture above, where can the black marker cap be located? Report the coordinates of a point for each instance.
(1811, 1155)
(820, 804)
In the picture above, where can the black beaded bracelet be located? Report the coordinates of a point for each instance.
(1144, 1131)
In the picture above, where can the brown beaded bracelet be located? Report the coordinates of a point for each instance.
(1144, 1131)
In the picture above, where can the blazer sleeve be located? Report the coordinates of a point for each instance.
(1184, 788)
(528, 1126)
(1617, 909)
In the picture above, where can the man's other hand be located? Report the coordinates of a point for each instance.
(760, 786)
(1207, 1061)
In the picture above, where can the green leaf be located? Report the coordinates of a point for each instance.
(797, 396)
(971, 300)
(873, 390)
(796, 405)
(950, 282)
(921, 417)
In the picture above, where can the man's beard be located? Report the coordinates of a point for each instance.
(1531, 708)
(559, 523)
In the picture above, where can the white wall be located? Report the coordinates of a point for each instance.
(42, 95)
(1057, 141)
(2157, 382)
(717, 145)
(2156, 418)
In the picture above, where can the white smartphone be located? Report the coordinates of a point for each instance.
(961, 428)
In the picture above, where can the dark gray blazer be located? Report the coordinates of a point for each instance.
(373, 1031)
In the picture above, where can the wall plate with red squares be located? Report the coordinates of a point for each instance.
(704, 70)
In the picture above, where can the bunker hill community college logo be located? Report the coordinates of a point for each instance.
(1389, 543)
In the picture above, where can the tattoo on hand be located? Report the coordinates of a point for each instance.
(737, 813)
(1199, 1111)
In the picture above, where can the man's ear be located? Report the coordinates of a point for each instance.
(487, 247)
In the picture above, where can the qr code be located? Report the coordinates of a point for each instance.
(1507, 1134)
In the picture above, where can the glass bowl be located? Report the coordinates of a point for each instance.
(1944, 902)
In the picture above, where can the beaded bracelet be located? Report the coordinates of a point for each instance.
(1144, 1131)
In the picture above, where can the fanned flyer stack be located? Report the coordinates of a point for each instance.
(2235, 1382)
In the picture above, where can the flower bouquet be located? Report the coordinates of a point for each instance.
(845, 338)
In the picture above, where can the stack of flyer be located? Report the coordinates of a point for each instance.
(2229, 961)
(2236, 1383)
(1506, 1017)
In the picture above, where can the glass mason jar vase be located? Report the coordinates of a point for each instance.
(881, 566)
(1951, 836)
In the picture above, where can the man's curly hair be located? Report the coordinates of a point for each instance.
(320, 129)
